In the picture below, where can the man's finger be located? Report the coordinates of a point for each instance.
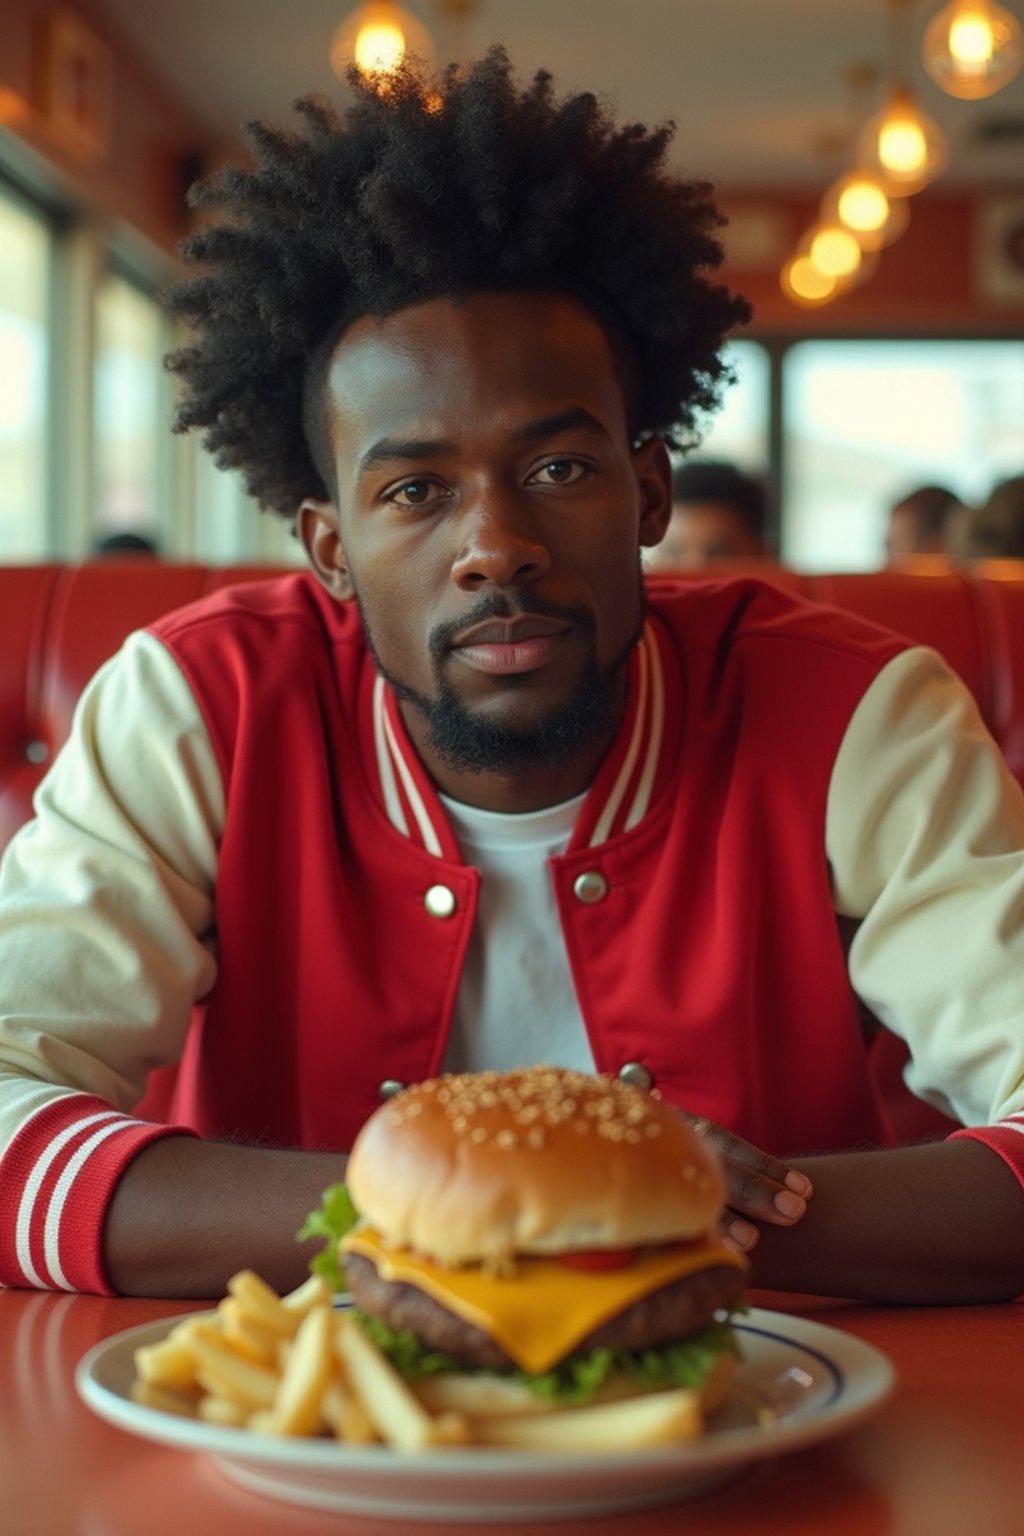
(758, 1184)
(754, 1193)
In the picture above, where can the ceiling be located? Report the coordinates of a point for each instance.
(754, 85)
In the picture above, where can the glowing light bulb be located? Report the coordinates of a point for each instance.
(859, 201)
(972, 48)
(971, 42)
(377, 37)
(380, 47)
(805, 283)
(901, 147)
(903, 144)
(862, 204)
(834, 251)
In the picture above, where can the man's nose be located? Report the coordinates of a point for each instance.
(499, 544)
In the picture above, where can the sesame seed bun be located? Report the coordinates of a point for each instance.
(482, 1166)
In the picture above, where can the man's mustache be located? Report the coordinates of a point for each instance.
(500, 605)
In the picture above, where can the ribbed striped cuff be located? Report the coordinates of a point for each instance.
(56, 1180)
(1006, 1139)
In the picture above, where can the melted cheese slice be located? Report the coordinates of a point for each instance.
(543, 1312)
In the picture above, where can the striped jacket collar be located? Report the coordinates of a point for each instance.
(628, 782)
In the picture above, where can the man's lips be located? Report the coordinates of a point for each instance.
(511, 645)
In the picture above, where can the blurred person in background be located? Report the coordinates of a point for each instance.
(920, 523)
(125, 543)
(718, 513)
(995, 531)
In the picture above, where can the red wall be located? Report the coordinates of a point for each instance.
(930, 280)
(153, 138)
(933, 278)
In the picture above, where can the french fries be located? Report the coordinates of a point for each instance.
(662, 1418)
(291, 1365)
(287, 1365)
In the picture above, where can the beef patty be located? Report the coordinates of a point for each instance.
(675, 1310)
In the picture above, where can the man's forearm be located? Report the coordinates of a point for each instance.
(941, 1223)
(188, 1213)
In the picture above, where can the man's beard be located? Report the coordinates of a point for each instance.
(467, 743)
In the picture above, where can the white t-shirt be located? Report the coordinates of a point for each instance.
(516, 1002)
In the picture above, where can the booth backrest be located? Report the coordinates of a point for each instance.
(58, 623)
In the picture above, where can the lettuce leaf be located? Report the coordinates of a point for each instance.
(681, 1363)
(406, 1350)
(336, 1216)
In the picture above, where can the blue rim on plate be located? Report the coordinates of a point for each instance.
(798, 1382)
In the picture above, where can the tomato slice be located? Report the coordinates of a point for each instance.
(598, 1258)
(618, 1258)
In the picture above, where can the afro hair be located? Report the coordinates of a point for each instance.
(418, 191)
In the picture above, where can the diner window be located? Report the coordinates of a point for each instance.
(864, 422)
(26, 258)
(738, 432)
(130, 425)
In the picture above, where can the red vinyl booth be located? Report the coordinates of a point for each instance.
(60, 622)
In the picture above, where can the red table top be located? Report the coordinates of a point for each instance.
(943, 1457)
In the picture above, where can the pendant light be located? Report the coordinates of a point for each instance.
(377, 37)
(902, 143)
(861, 202)
(834, 250)
(972, 48)
(804, 284)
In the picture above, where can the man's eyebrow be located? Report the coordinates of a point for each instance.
(390, 450)
(397, 449)
(574, 419)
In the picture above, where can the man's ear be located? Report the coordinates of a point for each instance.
(317, 529)
(653, 470)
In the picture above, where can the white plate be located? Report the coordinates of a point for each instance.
(798, 1382)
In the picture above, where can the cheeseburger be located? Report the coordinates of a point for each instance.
(558, 1228)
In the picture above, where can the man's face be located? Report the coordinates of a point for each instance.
(490, 509)
(904, 537)
(701, 532)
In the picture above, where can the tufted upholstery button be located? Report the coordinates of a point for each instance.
(389, 1087)
(590, 887)
(440, 901)
(36, 752)
(636, 1074)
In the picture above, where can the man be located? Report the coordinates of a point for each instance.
(920, 524)
(498, 811)
(995, 530)
(718, 513)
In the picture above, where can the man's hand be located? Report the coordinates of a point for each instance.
(758, 1186)
(939, 1222)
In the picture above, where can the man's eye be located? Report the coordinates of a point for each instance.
(559, 472)
(412, 493)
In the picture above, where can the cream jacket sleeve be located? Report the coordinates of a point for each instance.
(106, 941)
(925, 838)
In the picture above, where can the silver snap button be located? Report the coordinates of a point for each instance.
(440, 901)
(590, 888)
(389, 1087)
(36, 752)
(636, 1074)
